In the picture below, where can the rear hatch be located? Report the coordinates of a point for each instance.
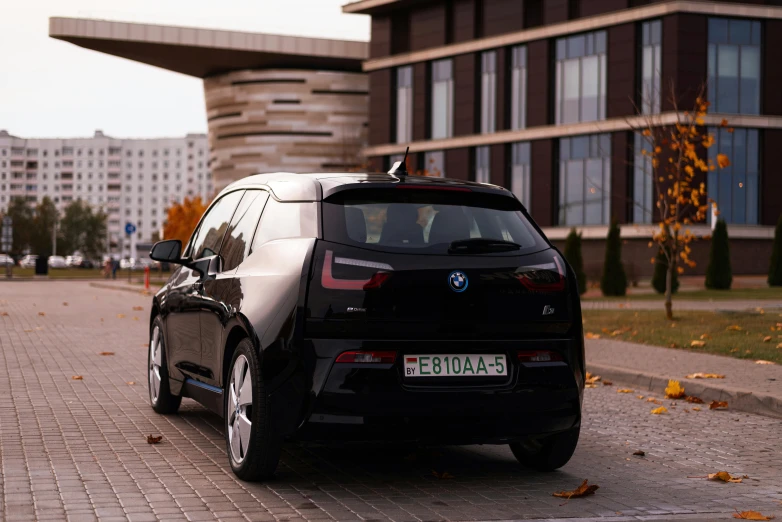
(411, 262)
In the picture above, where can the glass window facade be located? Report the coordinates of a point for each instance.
(404, 104)
(585, 180)
(581, 78)
(488, 92)
(518, 116)
(520, 173)
(643, 181)
(651, 66)
(734, 66)
(735, 188)
(435, 163)
(482, 162)
(442, 99)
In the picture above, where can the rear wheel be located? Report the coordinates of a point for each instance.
(547, 453)
(160, 396)
(253, 447)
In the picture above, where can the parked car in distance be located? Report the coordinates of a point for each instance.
(6, 260)
(370, 307)
(28, 261)
(56, 262)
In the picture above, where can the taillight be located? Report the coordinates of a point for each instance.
(539, 356)
(327, 279)
(367, 357)
(548, 277)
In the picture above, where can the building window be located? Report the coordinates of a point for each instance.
(518, 116)
(735, 188)
(520, 173)
(643, 181)
(404, 104)
(482, 161)
(434, 163)
(442, 99)
(651, 66)
(488, 92)
(581, 78)
(734, 66)
(585, 180)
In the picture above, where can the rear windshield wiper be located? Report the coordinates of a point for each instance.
(482, 245)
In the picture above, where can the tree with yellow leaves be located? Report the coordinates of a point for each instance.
(182, 219)
(676, 164)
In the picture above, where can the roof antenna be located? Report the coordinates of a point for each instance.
(400, 167)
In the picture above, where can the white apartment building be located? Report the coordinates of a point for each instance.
(133, 180)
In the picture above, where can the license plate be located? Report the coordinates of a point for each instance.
(459, 365)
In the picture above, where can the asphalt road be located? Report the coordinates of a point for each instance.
(77, 449)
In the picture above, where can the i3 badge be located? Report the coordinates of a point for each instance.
(458, 281)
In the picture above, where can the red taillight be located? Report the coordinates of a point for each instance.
(327, 279)
(367, 357)
(549, 277)
(539, 356)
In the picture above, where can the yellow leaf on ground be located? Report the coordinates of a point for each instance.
(653, 400)
(581, 491)
(764, 362)
(696, 409)
(77, 378)
(120, 316)
(41, 313)
(106, 353)
(698, 344)
(674, 390)
(724, 476)
(752, 515)
(131, 382)
(767, 339)
(704, 376)
(592, 379)
(138, 308)
(590, 335)
(734, 327)
(659, 411)
(779, 345)
(590, 385)
(135, 318)
(705, 336)
(624, 390)
(717, 405)
(639, 396)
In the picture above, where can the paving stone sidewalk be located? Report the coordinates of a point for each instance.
(681, 304)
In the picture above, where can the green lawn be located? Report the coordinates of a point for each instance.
(716, 329)
(702, 295)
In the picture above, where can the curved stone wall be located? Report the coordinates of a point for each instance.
(285, 120)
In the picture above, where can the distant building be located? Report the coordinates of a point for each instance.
(535, 95)
(133, 180)
(274, 103)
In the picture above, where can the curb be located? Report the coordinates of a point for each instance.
(738, 399)
(140, 291)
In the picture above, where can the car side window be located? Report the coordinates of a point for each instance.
(210, 234)
(285, 220)
(236, 244)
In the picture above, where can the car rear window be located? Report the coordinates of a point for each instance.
(425, 221)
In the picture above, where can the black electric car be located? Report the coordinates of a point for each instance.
(370, 307)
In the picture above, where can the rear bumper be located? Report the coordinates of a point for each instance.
(375, 402)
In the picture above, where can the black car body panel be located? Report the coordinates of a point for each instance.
(285, 296)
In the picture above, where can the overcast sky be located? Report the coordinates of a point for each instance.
(51, 88)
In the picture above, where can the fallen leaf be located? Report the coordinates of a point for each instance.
(608, 383)
(778, 346)
(704, 376)
(625, 390)
(120, 316)
(640, 453)
(674, 390)
(131, 382)
(767, 339)
(138, 308)
(698, 344)
(581, 491)
(3, 314)
(714, 405)
(696, 409)
(639, 396)
(734, 350)
(705, 336)
(590, 385)
(65, 303)
(653, 400)
(724, 476)
(106, 353)
(693, 399)
(154, 440)
(590, 335)
(135, 318)
(592, 379)
(764, 362)
(734, 328)
(659, 411)
(41, 313)
(442, 476)
(77, 378)
(752, 515)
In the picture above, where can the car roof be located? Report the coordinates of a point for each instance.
(287, 186)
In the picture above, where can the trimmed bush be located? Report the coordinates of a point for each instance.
(614, 280)
(719, 275)
(575, 259)
(775, 269)
(660, 270)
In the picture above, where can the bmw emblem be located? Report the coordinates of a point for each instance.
(458, 281)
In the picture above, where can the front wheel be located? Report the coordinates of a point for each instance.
(548, 453)
(160, 396)
(252, 444)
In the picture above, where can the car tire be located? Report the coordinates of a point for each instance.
(548, 453)
(252, 444)
(160, 396)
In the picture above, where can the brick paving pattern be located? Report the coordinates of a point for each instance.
(683, 304)
(76, 449)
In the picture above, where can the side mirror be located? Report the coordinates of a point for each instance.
(169, 251)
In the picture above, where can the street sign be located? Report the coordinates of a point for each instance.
(130, 228)
(7, 236)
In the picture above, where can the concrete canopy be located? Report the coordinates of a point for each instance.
(207, 52)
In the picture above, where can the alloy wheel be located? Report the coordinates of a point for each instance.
(155, 360)
(240, 409)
